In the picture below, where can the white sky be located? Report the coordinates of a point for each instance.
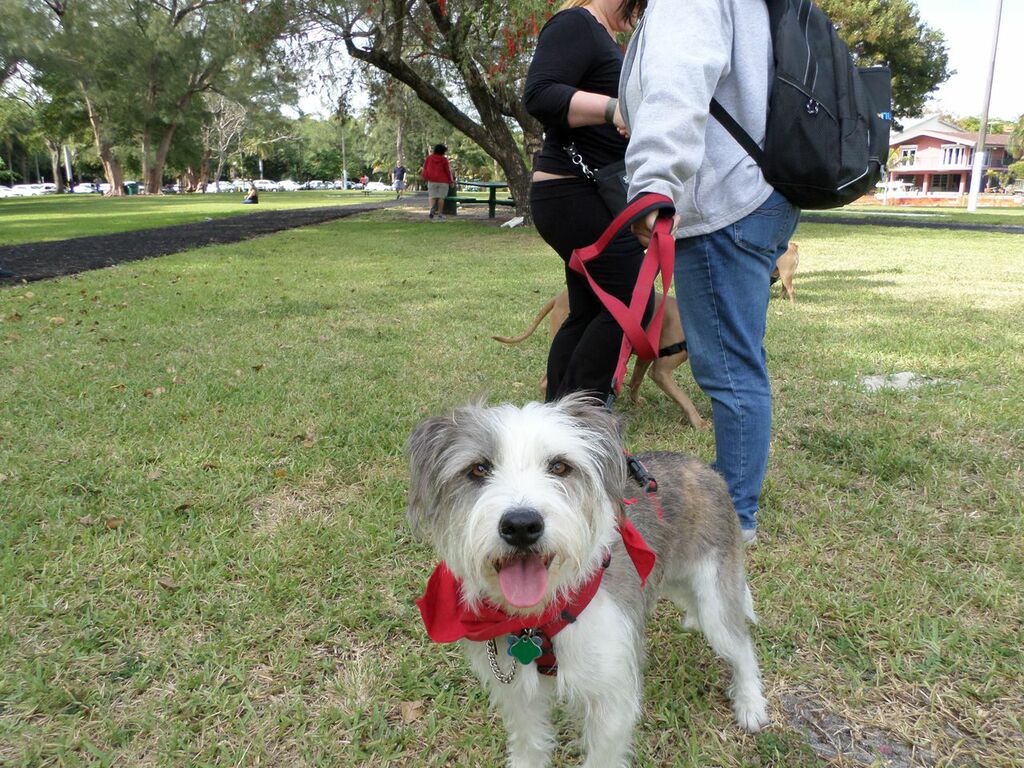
(968, 27)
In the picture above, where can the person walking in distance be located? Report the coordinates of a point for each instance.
(438, 175)
(398, 179)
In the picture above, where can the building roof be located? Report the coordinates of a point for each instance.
(991, 139)
(957, 137)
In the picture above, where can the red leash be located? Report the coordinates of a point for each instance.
(660, 257)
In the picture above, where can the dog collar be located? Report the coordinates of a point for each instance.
(447, 618)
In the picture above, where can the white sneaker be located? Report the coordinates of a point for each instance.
(440, 217)
(749, 537)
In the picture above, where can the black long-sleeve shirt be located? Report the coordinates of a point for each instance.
(574, 53)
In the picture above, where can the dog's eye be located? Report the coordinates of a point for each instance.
(559, 468)
(479, 470)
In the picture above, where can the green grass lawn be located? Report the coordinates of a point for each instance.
(56, 217)
(203, 552)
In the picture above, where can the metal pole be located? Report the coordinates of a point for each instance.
(978, 169)
(344, 161)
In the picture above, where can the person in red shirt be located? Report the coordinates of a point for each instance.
(438, 175)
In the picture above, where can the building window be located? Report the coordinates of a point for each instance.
(954, 154)
(907, 154)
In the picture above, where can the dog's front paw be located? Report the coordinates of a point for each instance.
(751, 713)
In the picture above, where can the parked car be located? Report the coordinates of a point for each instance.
(169, 189)
(84, 188)
(316, 184)
(7, 192)
(32, 190)
(266, 185)
(221, 186)
(377, 186)
(287, 185)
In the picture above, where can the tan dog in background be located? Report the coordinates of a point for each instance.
(660, 370)
(785, 268)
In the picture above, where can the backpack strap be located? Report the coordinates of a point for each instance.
(736, 131)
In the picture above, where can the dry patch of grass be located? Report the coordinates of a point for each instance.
(318, 501)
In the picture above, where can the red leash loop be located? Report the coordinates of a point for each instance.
(660, 257)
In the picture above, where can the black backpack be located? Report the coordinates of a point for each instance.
(827, 136)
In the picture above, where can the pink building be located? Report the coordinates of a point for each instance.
(934, 158)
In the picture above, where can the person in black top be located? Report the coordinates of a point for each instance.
(571, 88)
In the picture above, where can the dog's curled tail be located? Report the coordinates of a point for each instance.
(544, 312)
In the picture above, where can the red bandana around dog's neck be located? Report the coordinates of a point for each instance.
(447, 618)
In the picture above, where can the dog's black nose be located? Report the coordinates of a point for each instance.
(521, 526)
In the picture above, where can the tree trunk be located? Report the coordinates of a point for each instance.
(204, 170)
(111, 165)
(58, 177)
(114, 173)
(153, 170)
(189, 181)
(221, 159)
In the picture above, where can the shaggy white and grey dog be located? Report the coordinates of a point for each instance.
(523, 506)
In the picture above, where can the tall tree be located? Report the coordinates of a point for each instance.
(1016, 143)
(224, 129)
(140, 66)
(466, 60)
(891, 32)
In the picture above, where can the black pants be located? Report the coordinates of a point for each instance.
(569, 214)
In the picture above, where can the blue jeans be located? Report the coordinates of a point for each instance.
(722, 281)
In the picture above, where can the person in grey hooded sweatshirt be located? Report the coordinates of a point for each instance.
(731, 225)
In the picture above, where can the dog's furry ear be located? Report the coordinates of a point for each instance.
(590, 414)
(424, 448)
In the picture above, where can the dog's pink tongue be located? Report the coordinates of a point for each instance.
(523, 581)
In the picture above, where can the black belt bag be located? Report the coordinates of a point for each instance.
(611, 181)
(613, 186)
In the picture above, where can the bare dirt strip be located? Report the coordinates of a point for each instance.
(38, 261)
